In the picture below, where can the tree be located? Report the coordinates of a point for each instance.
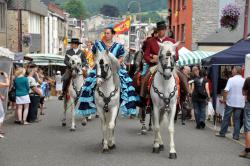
(109, 10)
(76, 9)
(153, 16)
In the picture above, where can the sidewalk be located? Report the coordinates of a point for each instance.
(216, 129)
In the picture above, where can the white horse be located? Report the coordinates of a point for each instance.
(107, 96)
(75, 85)
(164, 96)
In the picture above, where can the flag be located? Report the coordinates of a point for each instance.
(123, 26)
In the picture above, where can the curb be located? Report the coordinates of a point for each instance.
(228, 136)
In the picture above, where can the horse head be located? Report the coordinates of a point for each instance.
(75, 62)
(167, 58)
(106, 66)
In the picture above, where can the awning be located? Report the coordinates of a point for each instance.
(4, 52)
(186, 57)
(47, 59)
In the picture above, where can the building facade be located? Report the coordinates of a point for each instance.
(55, 29)
(26, 31)
(3, 22)
(193, 20)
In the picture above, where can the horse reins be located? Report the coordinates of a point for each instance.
(161, 95)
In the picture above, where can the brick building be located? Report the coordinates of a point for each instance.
(29, 14)
(193, 20)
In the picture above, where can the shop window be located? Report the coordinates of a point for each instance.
(183, 32)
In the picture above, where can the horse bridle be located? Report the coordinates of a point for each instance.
(165, 66)
(103, 72)
(165, 99)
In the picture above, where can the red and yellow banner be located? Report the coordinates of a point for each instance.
(123, 26)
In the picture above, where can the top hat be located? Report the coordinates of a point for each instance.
(75, 41)
(161, 25)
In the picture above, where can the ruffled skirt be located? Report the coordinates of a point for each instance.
(129, 97)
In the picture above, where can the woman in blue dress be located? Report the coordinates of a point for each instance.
(129, 98)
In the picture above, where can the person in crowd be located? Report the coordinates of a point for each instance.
(21, 84)
(73, 51)
(129, 97)
(11, 95)
(200, 94)
(42, 98)
(246, 93)
(234, 101)
(183, 73)
(89, 54)
(34, 93)
(154, 34)
(47, 87)
(151, 57)
(4, 84)
(58, 79)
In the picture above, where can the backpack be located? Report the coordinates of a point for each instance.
(200, 89)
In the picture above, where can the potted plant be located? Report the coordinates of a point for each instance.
(230, 17)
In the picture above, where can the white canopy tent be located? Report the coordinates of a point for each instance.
(6, 63)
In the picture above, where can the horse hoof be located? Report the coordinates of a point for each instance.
(105, 151)
(72, 129)
(161, 147)
(172, 155)
(156, 150)
(143, 130)
(150, 129)
(63, 124)
(112, 147)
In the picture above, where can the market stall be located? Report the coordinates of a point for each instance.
(187, 57)
(221, 64)
(6, 63)
(49, 62)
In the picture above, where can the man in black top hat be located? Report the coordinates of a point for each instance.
(74, 50)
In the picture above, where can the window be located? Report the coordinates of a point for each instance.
(184, 4)
(178, 32)
(183, 32)
(2, 17)
(34, 26)
(179, 5)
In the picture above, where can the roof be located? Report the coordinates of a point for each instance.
(232, 56)
(4, 52)
(226, 37)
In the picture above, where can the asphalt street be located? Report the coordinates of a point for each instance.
(47, 143)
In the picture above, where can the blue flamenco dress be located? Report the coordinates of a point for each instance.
(129, 98)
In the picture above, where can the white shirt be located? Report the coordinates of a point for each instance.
(76, 50)
(234, 87)
(32, 83)
(58, 79)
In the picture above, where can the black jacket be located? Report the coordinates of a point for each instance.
(71, 52)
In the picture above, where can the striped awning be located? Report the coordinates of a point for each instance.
(47, 59)
(187, 57)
